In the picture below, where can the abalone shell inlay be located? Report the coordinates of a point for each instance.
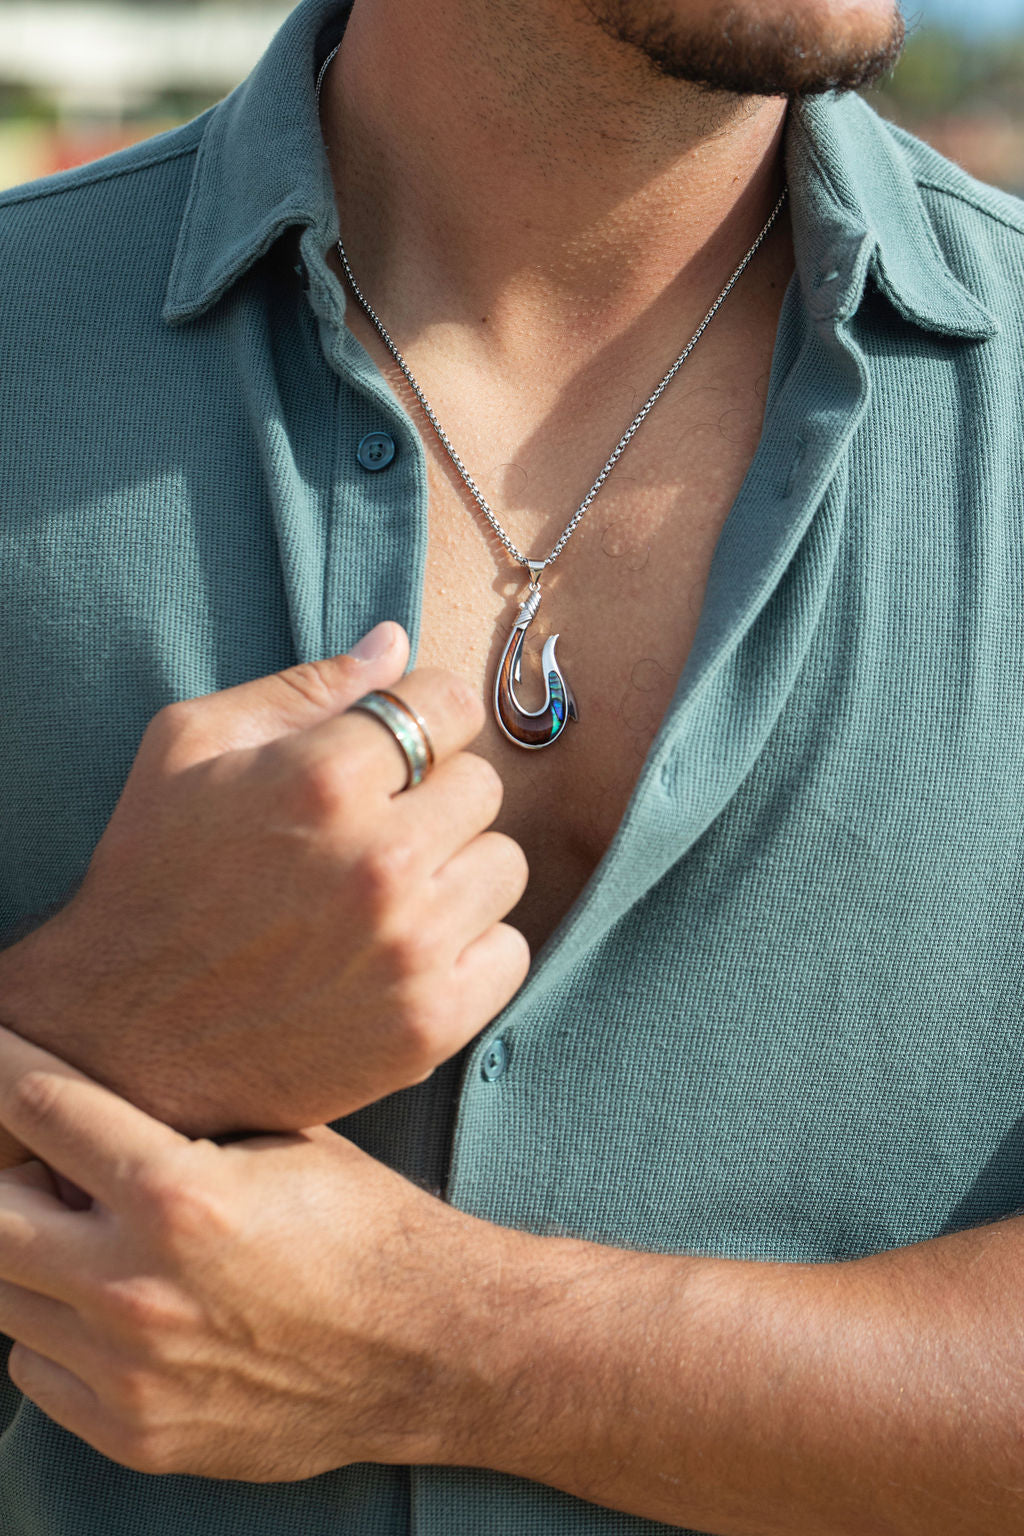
(538, 727)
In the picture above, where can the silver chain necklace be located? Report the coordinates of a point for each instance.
(540, 727)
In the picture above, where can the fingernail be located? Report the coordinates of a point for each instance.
(376, 644)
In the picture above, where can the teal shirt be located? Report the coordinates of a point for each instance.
(784, 1020)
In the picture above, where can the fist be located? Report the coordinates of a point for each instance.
(271, 934)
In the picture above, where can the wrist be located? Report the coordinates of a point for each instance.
(464, 1281)
(565, 1344)
(519, 1358)
(58, 990)
(466, 1302)
(535, 1368)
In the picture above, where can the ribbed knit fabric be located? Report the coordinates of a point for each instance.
(784, 1020)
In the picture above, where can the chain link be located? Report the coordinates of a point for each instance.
(535, 566)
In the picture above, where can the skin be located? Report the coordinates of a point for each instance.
(158, 1306)
(193, 971)
(166, 1322)
(537, 322)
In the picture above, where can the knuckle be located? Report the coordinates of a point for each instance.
(180, 1211)
(19, 1369)
(319, 790)
(144, 1448)
(312, 683)
(173, 721)
(146, 1309)
(37, 1095)
(482, 781)
(414, 993)
(411, 952)
(385, 872)
(453, 697)
(132, 1391)
(515, 952)
(512, 859)
(420, 1034)
(177, 737)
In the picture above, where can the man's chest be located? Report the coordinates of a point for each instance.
(626, 592)
(624, 598)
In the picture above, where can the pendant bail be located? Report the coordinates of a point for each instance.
(535, 566)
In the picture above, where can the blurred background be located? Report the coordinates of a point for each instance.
(79, 78)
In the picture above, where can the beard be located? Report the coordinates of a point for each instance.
(753, 56)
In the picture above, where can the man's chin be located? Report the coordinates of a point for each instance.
(798, 51)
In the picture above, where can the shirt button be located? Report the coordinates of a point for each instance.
(376, 450)
(495, 1062)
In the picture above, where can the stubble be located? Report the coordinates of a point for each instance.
(750, 55)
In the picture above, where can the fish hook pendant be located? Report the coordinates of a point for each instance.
(538, 727)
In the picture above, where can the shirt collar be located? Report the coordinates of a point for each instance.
(262, 169)
(858, 212)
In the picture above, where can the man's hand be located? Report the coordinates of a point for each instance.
(264, 1311)
(283, 1306)
(269, 934)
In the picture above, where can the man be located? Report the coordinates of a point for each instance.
(718, 1245)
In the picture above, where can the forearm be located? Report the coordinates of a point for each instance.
(752, 1399)
(883, 1397)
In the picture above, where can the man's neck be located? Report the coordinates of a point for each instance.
(514, 163)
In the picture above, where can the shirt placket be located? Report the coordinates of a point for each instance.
(769, 583)
(376, 503)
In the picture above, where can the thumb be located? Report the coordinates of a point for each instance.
(252, 714)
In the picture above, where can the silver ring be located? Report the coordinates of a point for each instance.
(408, 729)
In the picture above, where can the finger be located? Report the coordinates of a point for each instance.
(30, 1174)
(252, 714)
(35, 1175)
(277, 1141)
(365, 749)
(46, 1326)
(61, 1395)
(453, 805)
(85, 1132)
(43, 1246)
(479, 886)
(489, 973)
(12, 1153)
